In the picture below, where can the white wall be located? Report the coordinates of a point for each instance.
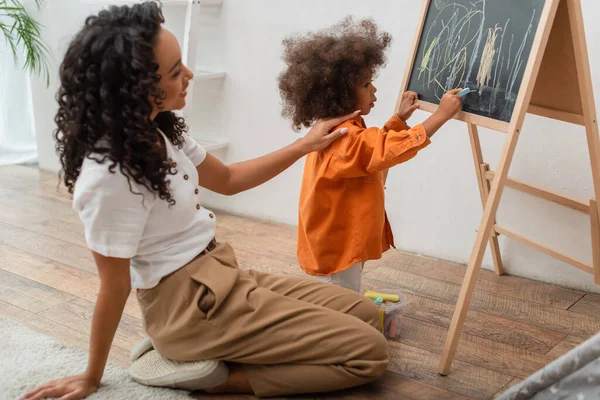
(17, 136)
(433, 200)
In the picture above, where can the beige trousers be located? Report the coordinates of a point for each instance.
(293, 335)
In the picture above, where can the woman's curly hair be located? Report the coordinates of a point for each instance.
(108, 83)
(324, 69)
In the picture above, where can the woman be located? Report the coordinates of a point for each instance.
(135, 178)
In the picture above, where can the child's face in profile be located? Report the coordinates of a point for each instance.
(365, 96)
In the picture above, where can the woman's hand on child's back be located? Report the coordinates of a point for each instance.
(320, 135)
(408, 105)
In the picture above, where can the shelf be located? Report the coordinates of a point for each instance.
(125, 2)
(211, 144)
(185, 2)
(165, 3)
(211, 2)
(208, 75)
(174, 3)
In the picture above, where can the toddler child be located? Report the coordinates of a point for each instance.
(342, 220)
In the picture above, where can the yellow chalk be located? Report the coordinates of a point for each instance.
(394, 298)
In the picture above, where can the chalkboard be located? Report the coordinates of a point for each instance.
(483, 45)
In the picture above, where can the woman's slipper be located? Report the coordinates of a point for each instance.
(144, 346)
(152, 369)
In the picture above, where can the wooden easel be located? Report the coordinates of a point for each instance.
(556, 84)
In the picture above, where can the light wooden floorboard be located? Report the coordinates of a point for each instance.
(49, 282)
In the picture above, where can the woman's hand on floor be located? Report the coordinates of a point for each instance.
(70, 388)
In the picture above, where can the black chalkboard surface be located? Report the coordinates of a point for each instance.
(483, 45)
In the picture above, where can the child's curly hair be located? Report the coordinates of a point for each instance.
(325, 67)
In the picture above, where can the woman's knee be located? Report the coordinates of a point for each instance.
(376, 355)
(376, 346)
(366, 311)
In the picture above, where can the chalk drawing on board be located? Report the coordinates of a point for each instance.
(440, 4)
(476, 44)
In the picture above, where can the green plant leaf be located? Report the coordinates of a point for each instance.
(19, 28)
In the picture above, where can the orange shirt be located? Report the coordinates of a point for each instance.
(341, 218)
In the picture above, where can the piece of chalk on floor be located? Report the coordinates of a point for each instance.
(464, 92)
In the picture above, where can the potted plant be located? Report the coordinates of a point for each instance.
(21, 30)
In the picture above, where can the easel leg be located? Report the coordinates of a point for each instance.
(484, 189)
(587, 100)
(595, 225)
(483, 233)
(494, 246)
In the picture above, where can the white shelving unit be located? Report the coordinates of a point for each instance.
(190, 44)
(165, 3)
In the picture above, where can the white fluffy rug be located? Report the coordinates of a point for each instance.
(29, 358)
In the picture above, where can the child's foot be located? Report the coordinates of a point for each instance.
(152, 369)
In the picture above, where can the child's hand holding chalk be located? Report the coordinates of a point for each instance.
(451, 103)
(464, 92)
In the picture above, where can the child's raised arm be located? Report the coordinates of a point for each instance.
(367, 150)
(449, 106)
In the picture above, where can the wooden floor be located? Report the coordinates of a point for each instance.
(49, 282)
